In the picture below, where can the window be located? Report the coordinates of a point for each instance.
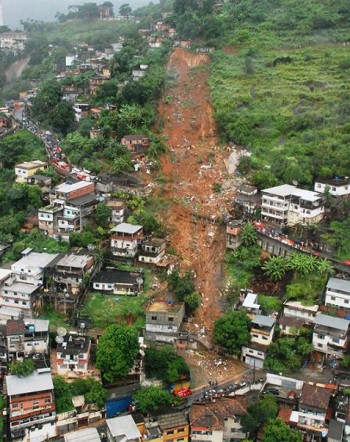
(14, 406)
(170, 319)
(264, 338)
(170, 432)
(346, 301)
(154, 318)
(333, 298)
(181, 430)
(320, 336)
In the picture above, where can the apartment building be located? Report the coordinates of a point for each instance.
(31, 405)
(331, 336)
(73, 354)
(163, 321)
(338, 294)
(336, 187)
(125, 240)
(289, 205)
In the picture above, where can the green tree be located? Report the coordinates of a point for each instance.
(302, 264)
(63, 395)
(259, 413)
(103, 214)
(116, 351)
(278, 431)
(181, 285)
(232, 330)
(339, 238)
(192, 302)
(165, 364)
(248, 235)
(151, 398)
(276, 267)
(22, 369)
(287, 353)
(125, 10)
(269, 304)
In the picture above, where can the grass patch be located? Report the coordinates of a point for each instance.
(105, 309)
(56, 319)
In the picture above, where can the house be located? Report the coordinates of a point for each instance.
(218, 421)
(122, 429)
(81, 110)
(290, 325)
(233, 235)
(73, 354)
(125, 240)
(152, 250)
(117, 210)
(118, 282)
(48, 219)
(289, 390)
(73, 269)
(330, 336)
(95, 82)
(296, 309)
(335, 187)
(289, 205)
(19, 296)
(249, 302)
(31, 267)
(262, 330)
(248, 199)
(119, 397)
(314, 409)
(25, 337)
(86, 435)
(338, 294)
(139, 72)
(69, 190)
(254, 354)
(174, 426)
(31, 405)
(163, 320)
(28, 169)
(106, 11)
(137, 143)
(40, 180)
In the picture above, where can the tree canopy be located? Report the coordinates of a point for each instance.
(232, 330)
(151, 398)
(116, 351)
(278, 431)
(165, 364)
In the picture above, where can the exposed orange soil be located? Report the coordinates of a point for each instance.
(194, 163)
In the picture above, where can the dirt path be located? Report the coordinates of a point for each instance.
(193, 165)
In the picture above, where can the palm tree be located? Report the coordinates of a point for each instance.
(324, 266)
(303, 264)
(276, 267)
(248, 234)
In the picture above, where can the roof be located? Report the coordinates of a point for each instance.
(250, 301)
(35, 382)
(263, 321)
(332, 322)
(30, 164)
(126, 228)
(41, 177)
(81, 200)
(14, 327)
(135, 137)
(335, 430)
(154, 242)
(336, 182)
(212, 414)
(287, 189)
(74, 344)
(163, 306)
(22, 287)
(255, 346)
(285, 414)
(34, 259)
(172, 420)
(86, 435)
(114, 276)
(66, 188)
(4, 273)
(290, 321)
(245, 188)
(339, 284)
(300, 306)
(123, 426)
(71, 260)
(41, 325)
(316, 397)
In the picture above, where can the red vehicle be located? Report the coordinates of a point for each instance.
(183, 392)
(347, 262)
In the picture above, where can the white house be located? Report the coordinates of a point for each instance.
(125, 239)
(152, 251)
(254, 354)
(296, 309)
(18, 296)
(336, 187)
(338, 293)
(290, 205)
(331, 335)
(122, 429)
(262, 330)
(31, 267)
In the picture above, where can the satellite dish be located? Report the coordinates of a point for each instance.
(59, 339)
(61, 331)
(139, 281)
(82, 325)
(295, 182)
(316, 203)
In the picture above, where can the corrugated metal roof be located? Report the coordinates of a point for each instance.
(29, 384)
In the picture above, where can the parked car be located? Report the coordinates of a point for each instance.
(272, 390)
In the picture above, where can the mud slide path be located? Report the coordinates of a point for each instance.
(192, 166)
